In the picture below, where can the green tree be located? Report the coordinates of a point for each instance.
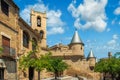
(109, 66)
(26, 61)
(117, 55)
(101, 67)
(39, 66)
(38, 63)
(41, 63)
(1, 50)
(31, 60)
(56, 65)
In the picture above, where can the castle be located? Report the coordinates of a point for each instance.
(15, 36)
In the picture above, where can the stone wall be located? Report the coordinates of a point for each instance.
(10, 70)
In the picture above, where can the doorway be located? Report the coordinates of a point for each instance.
(31, 73)
(1, 74)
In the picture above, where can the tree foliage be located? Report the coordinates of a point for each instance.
(117, 55)
(1, 50)
(38, 64)
(109, 66)
(56, 65)
(26, 61)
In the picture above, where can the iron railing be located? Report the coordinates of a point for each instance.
(8, 51)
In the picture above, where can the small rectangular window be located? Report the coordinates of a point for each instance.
(4, 7)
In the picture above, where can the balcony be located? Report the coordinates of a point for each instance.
(8, 51)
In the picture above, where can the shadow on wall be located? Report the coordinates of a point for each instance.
(74, 58)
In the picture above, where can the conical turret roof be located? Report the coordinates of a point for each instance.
(91, 55)
(76, 38)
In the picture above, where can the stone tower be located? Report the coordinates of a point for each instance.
(76, 45)
(91, 59)
(38, 23)
(109, 54)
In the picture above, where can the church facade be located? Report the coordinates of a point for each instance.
(15, 39)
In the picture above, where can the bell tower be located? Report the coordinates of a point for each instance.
(38, 23)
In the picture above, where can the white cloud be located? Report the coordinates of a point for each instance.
(55, 30)
(113, 21)
(25, 13)
(108, 29)
(91, 44)
(54, 20)
(40, 1)
(119, 2)
(119, 22)
(115, 36)
(117, 11)
(91, 12)
(88, 41)
(113, 42)
(68, 38)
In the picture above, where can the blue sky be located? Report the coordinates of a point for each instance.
(97, 21)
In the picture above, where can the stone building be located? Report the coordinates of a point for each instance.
(73, 55)
(16, 36)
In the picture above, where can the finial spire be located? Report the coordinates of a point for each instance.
(75, 29)
(76, 38)
(90, 55)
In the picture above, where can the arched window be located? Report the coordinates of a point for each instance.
(34, 43)
(25, 39)
(39, 21)
(41, 34)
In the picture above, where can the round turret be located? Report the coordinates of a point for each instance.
(92, 60)
(76, 45)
